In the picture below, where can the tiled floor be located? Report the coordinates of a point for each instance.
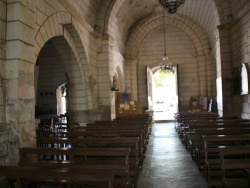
(167, 163)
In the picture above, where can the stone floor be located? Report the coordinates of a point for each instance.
(167, 163)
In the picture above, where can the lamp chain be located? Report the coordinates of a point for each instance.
(164, 28)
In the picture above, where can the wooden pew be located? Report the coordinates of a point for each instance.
(188, 131)
(81, 158)
(128, 124)
(26, 175)
(104, 126)
(212, 146)
(105, 133)
(233, 159)
(196, 142)
(136, 126)
(188, 126)
(192, 115)
(133, 143)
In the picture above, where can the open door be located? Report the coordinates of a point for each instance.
(177, 87)
(149, 88)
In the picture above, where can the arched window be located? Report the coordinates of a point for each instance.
(244, 80)
(61, 93)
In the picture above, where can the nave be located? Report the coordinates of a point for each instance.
(168, 164)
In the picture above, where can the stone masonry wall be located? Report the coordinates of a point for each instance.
(240, 37)
(181, 51)
(187, 47)
(42, 20)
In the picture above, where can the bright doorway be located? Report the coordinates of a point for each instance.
(165, 94)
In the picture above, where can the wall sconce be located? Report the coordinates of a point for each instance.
(114, 88)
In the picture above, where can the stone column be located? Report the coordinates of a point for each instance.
(211, 77)
(202, 75)
(106, 100)
(141, 86)
(226, 70)
(19, 76)
(131, 77)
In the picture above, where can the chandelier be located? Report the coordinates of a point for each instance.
(171, 5)
(166, 64)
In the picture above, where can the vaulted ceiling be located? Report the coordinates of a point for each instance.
(203, 12)
(208, 14)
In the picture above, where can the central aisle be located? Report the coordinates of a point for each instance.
(167, 163)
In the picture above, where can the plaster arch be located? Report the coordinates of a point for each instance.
(64, 25)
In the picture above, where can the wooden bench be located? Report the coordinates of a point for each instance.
(235, 159)
(25, 175)
(196, 141)
(105, 134)
(188, 130)
(100, 133)
(190, 126)
(122, 125)
(212, 146)
(138, 127)
(80, 158)
(133, 143)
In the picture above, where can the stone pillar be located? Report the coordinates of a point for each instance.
(211, 77)
(226, 70)
(202, 72)
(141, 86)
(131, 77)
(106, 99)
(19, 76)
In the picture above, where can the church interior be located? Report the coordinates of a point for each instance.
(86, 69)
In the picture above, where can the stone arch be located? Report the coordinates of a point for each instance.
(64, 25)
(224, 11)
(109, 8)
(120, 78)
(194, 33)
(201, 41)
(247, 58)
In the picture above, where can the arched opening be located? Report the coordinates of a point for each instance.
(61, 98)
(50, 74)
(165, 95)
(52, 83)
